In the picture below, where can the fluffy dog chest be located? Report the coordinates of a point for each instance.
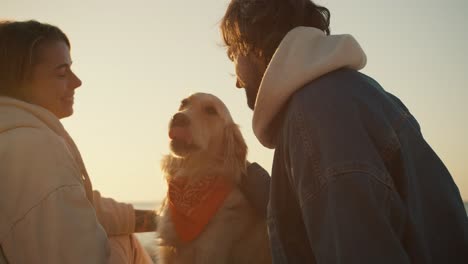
(192, 205)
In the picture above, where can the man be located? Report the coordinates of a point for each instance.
(353, 180)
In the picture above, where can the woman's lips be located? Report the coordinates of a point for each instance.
(69, 99)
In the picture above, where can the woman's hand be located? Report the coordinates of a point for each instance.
(145, 221)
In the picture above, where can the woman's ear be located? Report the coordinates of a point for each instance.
(235, 151)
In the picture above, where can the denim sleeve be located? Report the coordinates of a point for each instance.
(256, 187)
(350, 210)
(350, 221)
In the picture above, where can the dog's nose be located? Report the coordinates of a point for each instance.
(180, 119)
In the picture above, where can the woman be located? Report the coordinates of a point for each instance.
(48, 211)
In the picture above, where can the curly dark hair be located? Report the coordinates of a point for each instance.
(20, 42)
(259, 25)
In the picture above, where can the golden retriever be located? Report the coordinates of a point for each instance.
(205, 218)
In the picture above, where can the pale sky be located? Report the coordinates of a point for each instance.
(137, 60)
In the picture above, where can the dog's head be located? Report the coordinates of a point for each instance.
(203, 129)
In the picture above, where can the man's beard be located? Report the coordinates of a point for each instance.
(251, 97)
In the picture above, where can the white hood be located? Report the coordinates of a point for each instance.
(15, 113)
(304, 54)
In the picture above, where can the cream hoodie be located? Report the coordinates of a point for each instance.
(46, 201)
(303, 55)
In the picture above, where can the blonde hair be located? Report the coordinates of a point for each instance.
(20, 42)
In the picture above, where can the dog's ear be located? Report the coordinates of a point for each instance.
(235, 151)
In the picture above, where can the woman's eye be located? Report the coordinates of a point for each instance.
(211, 110)
(62, 73)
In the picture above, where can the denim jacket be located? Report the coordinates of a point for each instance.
(354, 181)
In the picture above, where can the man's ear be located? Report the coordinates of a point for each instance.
(235, 151)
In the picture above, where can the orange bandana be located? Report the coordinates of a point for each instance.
(193, 205)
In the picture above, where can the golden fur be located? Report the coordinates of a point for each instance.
(236, 234)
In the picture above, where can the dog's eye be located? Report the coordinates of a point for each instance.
(211, 110)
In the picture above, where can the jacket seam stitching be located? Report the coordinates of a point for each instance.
(334, 177)
(308, 146)
(18, 126)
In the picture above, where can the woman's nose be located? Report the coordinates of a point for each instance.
(76, 82)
